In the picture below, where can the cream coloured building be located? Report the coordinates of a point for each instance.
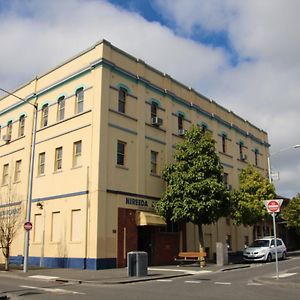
(107, 124)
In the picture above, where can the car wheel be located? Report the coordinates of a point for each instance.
(269, 258)
(283, 256)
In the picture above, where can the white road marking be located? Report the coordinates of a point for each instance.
(192, 281)
(49, 290)
(285, 275)
(164, 280)
(224, 283)
(43, 277)
(181, 270)
(253, 283)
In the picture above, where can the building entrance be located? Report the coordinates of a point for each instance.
(145, 241)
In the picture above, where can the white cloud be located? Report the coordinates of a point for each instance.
(37, 35)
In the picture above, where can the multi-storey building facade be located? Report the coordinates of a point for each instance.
(107, 124)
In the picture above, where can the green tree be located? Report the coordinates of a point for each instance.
(195, 190)
(247, 202)
(291, 213)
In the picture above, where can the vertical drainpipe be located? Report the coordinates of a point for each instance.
(86, 218)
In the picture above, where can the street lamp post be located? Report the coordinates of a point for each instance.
(29, 196)
(273, 213)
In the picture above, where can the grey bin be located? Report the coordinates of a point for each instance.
(137, 263)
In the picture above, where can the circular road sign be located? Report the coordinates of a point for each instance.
(273, 206)
(28, 226)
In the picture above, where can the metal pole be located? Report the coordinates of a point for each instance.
(29, 198)
(275, 237)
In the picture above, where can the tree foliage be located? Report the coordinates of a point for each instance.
(195, 190)
(291, 213)
(247, 202)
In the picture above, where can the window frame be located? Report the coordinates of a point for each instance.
(153, 109)
(180, 119)
(77, 155)
(58, 159)
(79, 100)
(41, 163)
(21, 126)
(45, 115)
(5, 174)
(122, 95)
(9, 128)
(153, 162)
(17, 175)
(224, 142)
(121, 155)
(61, 102)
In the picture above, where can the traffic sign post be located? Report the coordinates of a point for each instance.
(273, 206)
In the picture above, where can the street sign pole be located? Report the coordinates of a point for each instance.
(275, 237)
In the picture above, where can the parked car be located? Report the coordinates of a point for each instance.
(264, 250)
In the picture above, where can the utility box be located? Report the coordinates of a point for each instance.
(222, 254)
(137, 263)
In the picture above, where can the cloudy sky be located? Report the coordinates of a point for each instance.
(243, 54)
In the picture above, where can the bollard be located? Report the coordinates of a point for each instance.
(137, 263)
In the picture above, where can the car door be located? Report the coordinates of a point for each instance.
(279, 248)
(272, 248)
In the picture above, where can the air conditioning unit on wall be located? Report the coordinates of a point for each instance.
(181, 132)
(243, 157)
(156, 121)
(6, 138)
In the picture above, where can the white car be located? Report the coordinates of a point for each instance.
(264, 250)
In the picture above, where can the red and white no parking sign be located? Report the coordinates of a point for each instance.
(273, 206)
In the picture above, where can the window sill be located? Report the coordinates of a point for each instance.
(57, 172)
(75, 242)
(225, 154)
(155, 175)
(40, 175)
(242, 160)
(17, 181)
(76, 167)
(122, 167)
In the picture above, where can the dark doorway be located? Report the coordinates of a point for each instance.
(145, 241)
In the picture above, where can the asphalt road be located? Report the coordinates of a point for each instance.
(233, 285)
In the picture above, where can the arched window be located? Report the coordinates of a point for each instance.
(122, 100)
(79, 95)
(180, 121)
(153, 109)
(9, 128)
(224, 138)
(44, 119)
(256, 153)
(21, 126)
(61, 108)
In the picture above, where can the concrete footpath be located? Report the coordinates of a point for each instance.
(119, 276)
(113, 276)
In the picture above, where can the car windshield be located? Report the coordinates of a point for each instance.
(260, 243)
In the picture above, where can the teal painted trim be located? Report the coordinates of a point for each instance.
(60, 196)
(180, 113)
(9, 121)
(240, 142)
(203, 124)
(223, 133)
(122, 128)
(81, 86)
(123, 86)
(157, 102)
(61, 95)
(22, 114)
(43, 104)
(226, 165)
(155, 140)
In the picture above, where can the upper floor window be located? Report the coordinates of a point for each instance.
(153, 110)
(41, 166)
(153, 168)
(21, 126)
(224, 138)
(79, 95)
(61, 108)
(241, 146)
(18, 170)
(121, 153)
(204, 127)
(5, 174)
(180, 121)
(122, 100)
(58, 159)
(45, 111)
(256, 153)
(77, 148)
(9, 128)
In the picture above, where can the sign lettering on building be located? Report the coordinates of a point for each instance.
(139, 202)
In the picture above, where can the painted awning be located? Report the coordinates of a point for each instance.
(144, 218)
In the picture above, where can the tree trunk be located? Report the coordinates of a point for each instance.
(201, 244)
(6, 259)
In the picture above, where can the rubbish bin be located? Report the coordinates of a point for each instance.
(137, 263)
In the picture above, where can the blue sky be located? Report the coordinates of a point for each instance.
(245, 55)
